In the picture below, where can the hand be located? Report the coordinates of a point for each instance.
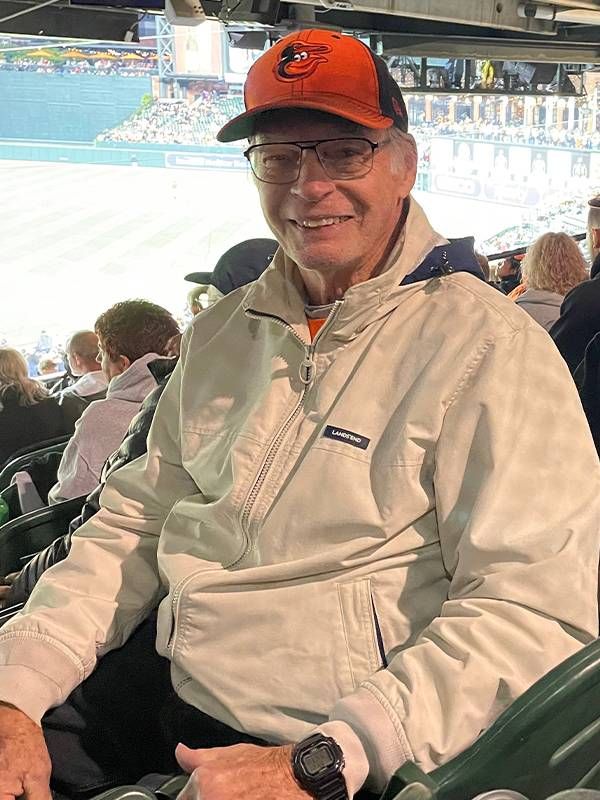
(24, 761)
(243, 770)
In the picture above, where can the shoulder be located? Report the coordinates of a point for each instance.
(586, 294)
(471, 298)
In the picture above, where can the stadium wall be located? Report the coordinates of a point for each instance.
(63, 107)
(116, 154)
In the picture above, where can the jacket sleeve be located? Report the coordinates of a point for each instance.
(517, 503)
(91, 602)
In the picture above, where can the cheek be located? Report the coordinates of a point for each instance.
(271, 203)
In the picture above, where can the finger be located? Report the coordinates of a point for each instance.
(10, 578)
(36, 789)
(4, 591)
(187, 758)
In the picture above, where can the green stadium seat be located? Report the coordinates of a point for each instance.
(546, 741)
(28, 534)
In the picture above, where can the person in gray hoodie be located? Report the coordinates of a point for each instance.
(552, 266)
(131, 334)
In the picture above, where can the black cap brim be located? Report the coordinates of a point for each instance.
(199, 277)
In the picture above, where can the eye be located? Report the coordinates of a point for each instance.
(298, 57)
(304, 55)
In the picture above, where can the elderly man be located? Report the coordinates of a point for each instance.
(368, 494)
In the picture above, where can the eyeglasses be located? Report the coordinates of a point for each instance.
(342, 159)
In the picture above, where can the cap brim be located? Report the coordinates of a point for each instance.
(242, 127)
(199, 277)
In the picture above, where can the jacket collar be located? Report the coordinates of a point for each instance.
(280, 291)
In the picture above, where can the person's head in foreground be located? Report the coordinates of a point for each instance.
(331, 155)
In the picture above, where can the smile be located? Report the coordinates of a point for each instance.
(322, 222)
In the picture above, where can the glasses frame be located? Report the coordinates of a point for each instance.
(302, 147)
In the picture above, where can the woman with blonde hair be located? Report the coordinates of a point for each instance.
(27, 414)
(553, 265)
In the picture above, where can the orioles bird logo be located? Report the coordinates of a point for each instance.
(300, 59)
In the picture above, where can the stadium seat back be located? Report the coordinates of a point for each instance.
(24, 457)
(10, 495)
(546, 741)
(23, 537)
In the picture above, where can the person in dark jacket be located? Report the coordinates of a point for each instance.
(587, 380)
(27, 414)
(238, 266)
(579, 319)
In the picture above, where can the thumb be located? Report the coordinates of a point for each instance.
(187, 758)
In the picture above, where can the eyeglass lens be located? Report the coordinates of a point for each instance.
(340, 158)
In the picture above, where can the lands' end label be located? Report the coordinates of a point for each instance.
(348, 437)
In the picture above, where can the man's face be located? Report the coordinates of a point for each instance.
(355, 219)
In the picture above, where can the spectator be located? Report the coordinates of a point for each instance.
(131, 334)
(340, 508)
(48, 365)
(579, 319)
(587, 380)
(84, 381)
(509, 274)
(27, 414)
(82, 356)
(484, 264)
(552, 267)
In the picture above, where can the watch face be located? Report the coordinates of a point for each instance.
(318, 759)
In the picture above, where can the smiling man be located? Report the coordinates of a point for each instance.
(369, 492)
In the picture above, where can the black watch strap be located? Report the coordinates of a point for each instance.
(335, 789)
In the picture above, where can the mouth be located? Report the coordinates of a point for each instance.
(320, 222)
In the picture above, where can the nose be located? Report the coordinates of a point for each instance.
(313, 182)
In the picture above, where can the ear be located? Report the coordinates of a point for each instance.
(123, 363)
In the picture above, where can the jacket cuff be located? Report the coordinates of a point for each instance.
(26, 686)
(28, 690)
(356, 765)
(383, 739)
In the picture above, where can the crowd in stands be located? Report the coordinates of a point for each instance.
(176, 121)
(86, 65)
(534, 135)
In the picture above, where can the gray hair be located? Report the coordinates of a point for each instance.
(405, 151)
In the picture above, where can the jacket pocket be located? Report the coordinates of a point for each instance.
(361, 630)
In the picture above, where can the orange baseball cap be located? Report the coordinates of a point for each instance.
(325, 71)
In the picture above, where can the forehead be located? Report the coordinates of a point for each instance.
(305, 126)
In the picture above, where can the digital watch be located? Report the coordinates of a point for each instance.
(317, 763)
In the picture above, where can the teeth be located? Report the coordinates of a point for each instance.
(321, 223)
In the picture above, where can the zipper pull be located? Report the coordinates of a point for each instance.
(444, 267)
(307, 370)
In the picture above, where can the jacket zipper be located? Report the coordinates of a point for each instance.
(307, 368)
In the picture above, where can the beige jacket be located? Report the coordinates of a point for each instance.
(394, 528)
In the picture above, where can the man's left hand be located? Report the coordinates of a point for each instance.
(241, 771)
